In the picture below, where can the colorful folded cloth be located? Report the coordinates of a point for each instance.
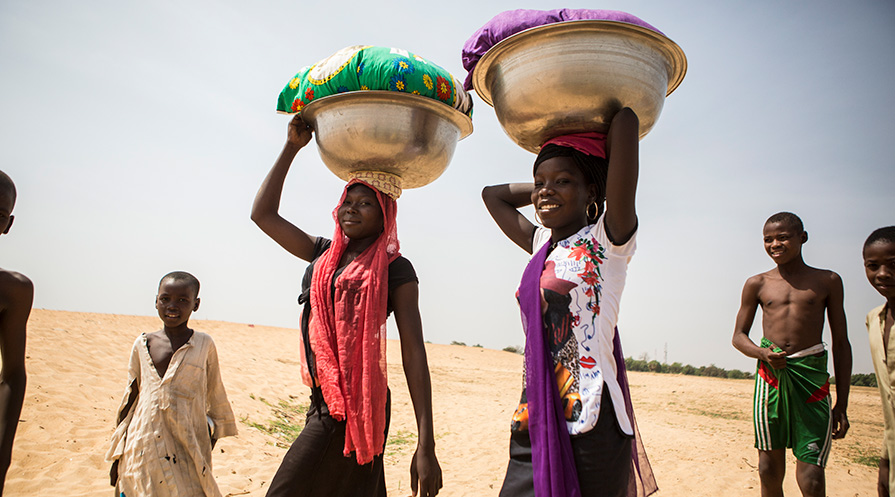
(365, 67)
(511, 22)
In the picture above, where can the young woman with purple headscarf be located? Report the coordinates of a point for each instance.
(574, 433)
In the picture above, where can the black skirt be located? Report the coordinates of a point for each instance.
(315, 465)
(602, 458)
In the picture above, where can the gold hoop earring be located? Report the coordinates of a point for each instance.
(596, 211)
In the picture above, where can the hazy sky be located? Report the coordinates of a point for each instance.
(138, 133)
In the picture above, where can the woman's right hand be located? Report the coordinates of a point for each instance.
(299, 133)
(503, 203)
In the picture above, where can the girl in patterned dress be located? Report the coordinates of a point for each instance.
(573, 433)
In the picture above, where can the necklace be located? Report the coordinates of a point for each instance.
(551, 247)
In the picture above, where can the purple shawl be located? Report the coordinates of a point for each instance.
(642, 482)
(511, 22)
(551, 449)
(552, 460)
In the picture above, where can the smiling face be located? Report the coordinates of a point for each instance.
(879, 265)
(176, 301)
(561, 196)
(783, 242)
(360, 215)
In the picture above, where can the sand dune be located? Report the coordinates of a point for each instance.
(697, 431)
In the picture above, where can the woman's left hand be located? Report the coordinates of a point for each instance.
(622, 147)
(425, 473)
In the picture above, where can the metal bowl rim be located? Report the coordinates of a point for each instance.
(678, 59)
(454, 116)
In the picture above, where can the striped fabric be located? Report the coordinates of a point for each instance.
(792, 407)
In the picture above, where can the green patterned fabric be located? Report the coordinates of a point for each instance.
(792, 407)
(364, 67)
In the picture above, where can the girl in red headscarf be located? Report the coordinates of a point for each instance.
(354, 281)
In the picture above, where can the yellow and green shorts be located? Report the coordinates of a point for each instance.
(791, 407)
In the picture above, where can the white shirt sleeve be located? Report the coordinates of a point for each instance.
(624, 250)
(542, 236)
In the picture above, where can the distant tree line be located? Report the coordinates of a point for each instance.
(463, 344)
(655, 366)
(516, 349)
(860, 380)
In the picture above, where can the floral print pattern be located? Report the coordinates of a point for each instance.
(580, 291)
(397, 83)
(364, 67)
(593, 255)
(443, 88)
(403, 66)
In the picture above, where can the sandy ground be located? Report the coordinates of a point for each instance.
(697, 431)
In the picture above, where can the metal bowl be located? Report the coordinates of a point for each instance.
(407, 135)
(573, 76)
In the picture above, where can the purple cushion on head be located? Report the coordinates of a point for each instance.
(511, 22)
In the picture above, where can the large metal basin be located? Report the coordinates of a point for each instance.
(406, 135)
(574, 76)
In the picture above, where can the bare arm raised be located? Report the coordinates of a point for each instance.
(425, 472)
(622, 149)
(503, 203)
(746, 315)
(842, 358)
(265, 210)
(16, 296)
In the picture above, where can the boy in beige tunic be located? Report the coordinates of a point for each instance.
(174, 407)
(879, 265)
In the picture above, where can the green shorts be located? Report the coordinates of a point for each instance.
(791, 407)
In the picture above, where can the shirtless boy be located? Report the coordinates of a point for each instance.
(792, 391)
(16, 295)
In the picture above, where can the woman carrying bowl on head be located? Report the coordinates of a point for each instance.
(353, 283)
(573, 433)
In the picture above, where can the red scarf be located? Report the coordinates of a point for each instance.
(348, 326)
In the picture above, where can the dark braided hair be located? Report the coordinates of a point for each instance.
(594, 169)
